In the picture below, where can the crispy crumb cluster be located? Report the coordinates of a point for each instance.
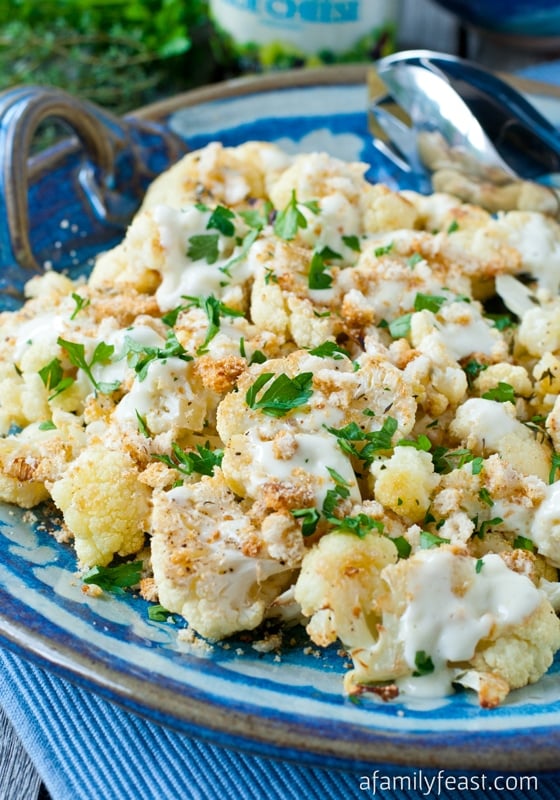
(298, 396)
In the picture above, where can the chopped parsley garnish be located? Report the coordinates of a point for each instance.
(141, 356)
(446, 460)
(423, 663)
(309, 519)
(414, 259)
(255, 217)
(503, 393)
(53, 378)
(477, 465)
(383, 250)
(157, 613)
(523, 543)
(115, 579)
(429, 540)
(47, 425)
(204, 246)
(142, 425)
(291, 218)
(334, 496)
(400, 327)
(554, 466)
(403, 546)
(318, 277)
(453, 226)
(270, 276)
(221, 220)
(214, 310)
(246, 243)
(81, 303)
(282, 396)
(202, 460)
(353, 243)
(473, 369)
(430, 302)
(485, 497)
(481, 530)
(101, 355)
(360, 525)
(422, 442)
(502, 321)
(374, 441)
(479, 564)
(330, 350)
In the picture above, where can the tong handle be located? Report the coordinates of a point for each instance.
(98, 175)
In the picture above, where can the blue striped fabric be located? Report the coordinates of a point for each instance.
(85, 748)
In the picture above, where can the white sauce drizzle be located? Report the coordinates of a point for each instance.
(447, 626)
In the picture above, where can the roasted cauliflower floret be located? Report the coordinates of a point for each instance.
(339, 587)
(488, 426)
(405, 482)
(211, 564)
(104, 504)
(445, 613)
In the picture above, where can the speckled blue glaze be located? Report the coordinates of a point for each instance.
(520, 17)
(289, 705)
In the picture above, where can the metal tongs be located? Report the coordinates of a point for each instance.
(466, 129)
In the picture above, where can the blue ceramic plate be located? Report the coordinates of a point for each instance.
(288, 704)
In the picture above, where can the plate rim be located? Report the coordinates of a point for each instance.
(464, 750)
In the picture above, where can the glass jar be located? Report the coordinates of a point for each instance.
(277, 34)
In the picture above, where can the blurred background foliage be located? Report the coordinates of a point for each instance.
(121, 54)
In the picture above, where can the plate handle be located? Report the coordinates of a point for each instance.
(120, 156)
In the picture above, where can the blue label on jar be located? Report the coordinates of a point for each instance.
(323, 11)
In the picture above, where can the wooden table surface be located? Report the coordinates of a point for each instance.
(422, 25)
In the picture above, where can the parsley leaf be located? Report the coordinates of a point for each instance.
(290, 219)
(485, 497)
(429, 540)
(383, 250)
(202, 460)
(333, 496)
(47, 425)
(142, 425)
(204, 246)
(283, 395)
(310, 518)
(101, 355)
(403, 546)
(246, 243)
(360, 525)
(430, 302)
(503, 393)
(423, 663)
(52, 376)
(157, 613)
(400, 327)
(374, 441)
(421, 443)
(414, 259)
(353, 243)
(115, 579)
(214, 310)
(318, 277)
(330, 350)
(221, 220)
(81, 303)
(523, 543)
(554, 465)
(141, 356)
